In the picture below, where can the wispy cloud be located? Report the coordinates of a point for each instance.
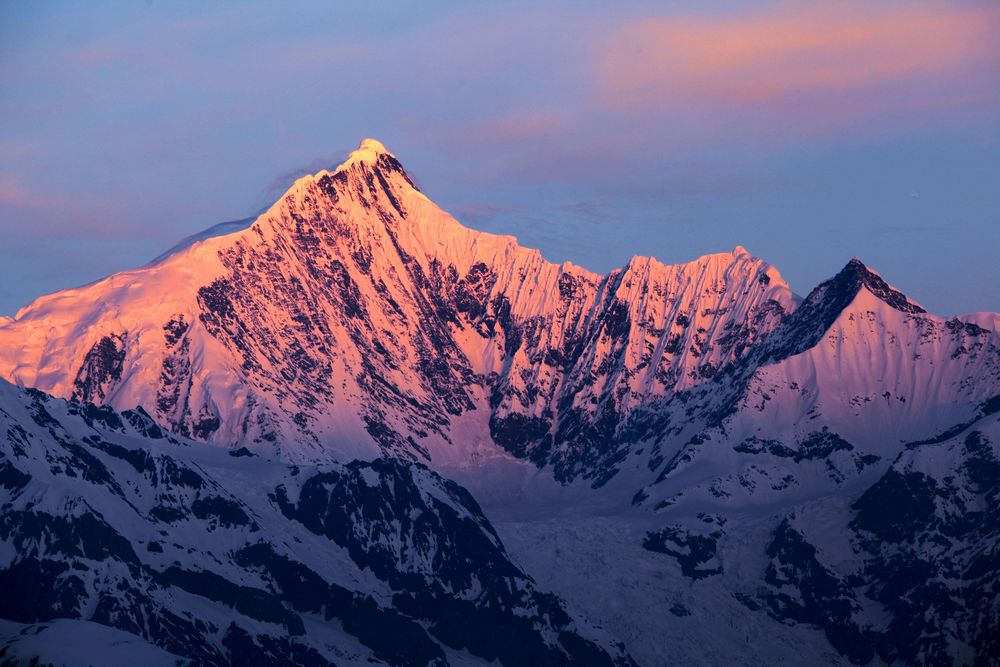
(13, 194)
(284, 180)
(57, 216)
(801, 50)
(513, 127)
(146, 121)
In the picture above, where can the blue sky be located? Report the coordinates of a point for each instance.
(808, 132)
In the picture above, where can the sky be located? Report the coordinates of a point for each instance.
(810, 133)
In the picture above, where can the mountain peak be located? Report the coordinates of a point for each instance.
(368, 152)
(371, 153)
(828, 301)
(856, 274)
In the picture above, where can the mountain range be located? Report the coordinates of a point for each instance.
(352, 430)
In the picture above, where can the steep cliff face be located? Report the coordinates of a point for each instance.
(355, 317)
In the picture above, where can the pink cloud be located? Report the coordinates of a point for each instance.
(57, 216)
(12, 193)
(99, 54)
(15, 148)
(513, 127)
(800, 51)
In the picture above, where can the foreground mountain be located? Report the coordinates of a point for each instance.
(901, 567)
(222, 558)
(66, 643)
(696, 461)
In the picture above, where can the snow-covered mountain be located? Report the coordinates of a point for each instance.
(356, 318)
(223, 558)
(856, 373)
(693, 459)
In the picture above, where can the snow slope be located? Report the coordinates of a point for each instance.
(857, 373)
(71, 643)
(224, 558)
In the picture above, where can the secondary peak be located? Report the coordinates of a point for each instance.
(856, 274)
